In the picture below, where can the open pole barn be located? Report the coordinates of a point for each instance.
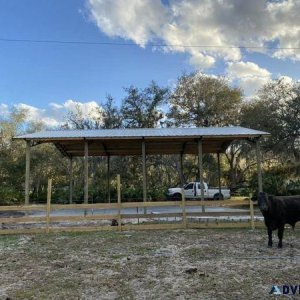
(141, 142)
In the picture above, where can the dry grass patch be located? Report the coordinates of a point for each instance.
(178, 264)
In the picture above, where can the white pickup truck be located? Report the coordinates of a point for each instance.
(192, 190)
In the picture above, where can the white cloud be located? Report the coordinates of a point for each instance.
(193, 22)
(55, 114)
(249, 76)
(32, 112)
(128, 18)
(55, 105)
(88, 109)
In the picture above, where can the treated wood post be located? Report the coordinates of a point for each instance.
(108, 178)
(144, 175)
(219, 174)
(86, 172)
(184, 220)
(49, 192)
(200, 169)
(258, 159)
(119, 202)
(181, 169)
(71, 181)
(251, 214)
(27, 173)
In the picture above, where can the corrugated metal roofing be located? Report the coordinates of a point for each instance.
(144, 132)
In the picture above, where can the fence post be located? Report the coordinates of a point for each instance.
(49, 192)
(251, 214)
(119, 201)
(184, 221)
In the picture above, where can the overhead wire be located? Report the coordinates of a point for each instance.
(151, 45)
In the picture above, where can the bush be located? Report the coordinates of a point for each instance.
(10, 196)
(278, 181)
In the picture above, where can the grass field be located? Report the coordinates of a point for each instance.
(178, 264)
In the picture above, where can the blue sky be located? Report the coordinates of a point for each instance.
(40, 73)
(49, 78)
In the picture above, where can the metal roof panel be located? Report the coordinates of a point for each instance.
(144, 133)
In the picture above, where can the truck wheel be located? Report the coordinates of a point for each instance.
(217, 197)
(177, 196)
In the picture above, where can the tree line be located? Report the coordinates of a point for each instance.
(196, 100)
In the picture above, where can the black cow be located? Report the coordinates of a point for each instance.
(278, 211)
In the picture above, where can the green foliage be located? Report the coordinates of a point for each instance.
(279, 180)
(142, 108)
(200, 100)
(10, 195)
(277, 111)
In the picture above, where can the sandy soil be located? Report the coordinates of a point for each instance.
(178, 264)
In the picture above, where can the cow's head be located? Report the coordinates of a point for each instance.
(263, 201)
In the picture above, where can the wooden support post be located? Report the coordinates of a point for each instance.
(258, 159)
(219, 175)
(200, 169)
(181, 170)
(49, 192)
(71, 181)
(86, 172)
(27, 173)
(108, 178)
(119, 202)
(251, 214)
(184, 220)
(144, 175)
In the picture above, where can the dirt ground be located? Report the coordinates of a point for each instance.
(178, 264)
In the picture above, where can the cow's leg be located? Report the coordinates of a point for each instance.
(280, 235)
(270, 243)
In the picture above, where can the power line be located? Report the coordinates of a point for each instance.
(151, 45)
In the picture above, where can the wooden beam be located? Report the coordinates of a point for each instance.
(38, 207)
(83, 206)
(218, 203)
(252, 221)
(108, 178)
(200, 169)
(150, 204)
(86, 172)
(258, 159)
(71, 181)
(49, 193)
(61, 148)
(181, 169)
(219, 175)
(184, 219)
(119, 202)
(144, 174)
(27, 173)
(163, 149)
